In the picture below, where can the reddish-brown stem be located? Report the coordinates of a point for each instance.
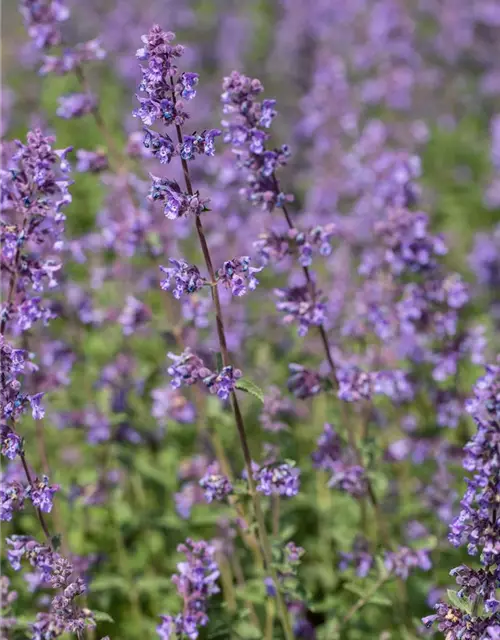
(326, 347)
(240, 426)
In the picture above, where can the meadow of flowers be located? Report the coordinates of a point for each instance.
(250, 320)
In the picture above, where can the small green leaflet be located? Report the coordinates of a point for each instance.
(244, 384)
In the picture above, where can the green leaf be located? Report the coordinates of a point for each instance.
(457, 602)
(376, 598)
(102, 616)
(248, 631)
(244, 384)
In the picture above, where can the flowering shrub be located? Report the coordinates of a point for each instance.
(250, 365)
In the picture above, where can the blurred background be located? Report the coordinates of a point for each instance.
(371, 95)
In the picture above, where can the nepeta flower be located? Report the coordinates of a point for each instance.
(41, 494)
(402, 561)
(243, 132)
(176, 203)
(238, 275)
(279, 479)
(73, 58)
(223, 382)
(216, 485)
(186, 277)
(76, 105)
(91, 161)
(12, 495)
(199, 144)
(187, 369)
(359, 557)
(301, 305)
(10, 443)
(195, 582)
(341, 462)
(304, 383)
(42, 18)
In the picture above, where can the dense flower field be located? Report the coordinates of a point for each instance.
(250, 318)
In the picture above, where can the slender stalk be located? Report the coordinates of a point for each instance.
(240, 425)
(362, 602)
(326, 347)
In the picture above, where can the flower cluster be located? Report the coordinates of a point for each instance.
(176, 203)
(340, 461)
(42, 20)
(280, 479)
(402, 561)
(64, 616)
(215, 484)
(223, 383)
(245, 131)
(478, 524)
(34, 193)
(274, 247)
(301, 305)
(238, 275)
(13, 495)
(186, 277)
(195, 582)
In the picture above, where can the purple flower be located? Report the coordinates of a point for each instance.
(238, 275)
(187, 369)
(91, 161)
(223, 382)
(42, 21)
(404, 560)
(12, 495)
(304, 383)
(161, 147)
(300, 306)
(41, 494)
(186, 277)
(216, 485)
(37, 408)
(278, 479)
(195, 582)
(341, 462)
(11, 443)
(188, 82)
(359, 557)
(76, 105)
(176, 204)
(133, 316)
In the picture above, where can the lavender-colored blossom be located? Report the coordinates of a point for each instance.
(278, 479)
(223, 383)
(42, 21)
(304, 383)
(187, 369)
(359, 558)
(175, 202)
(11, 443)
(169, 404)
(41, 494)
(215, 485)
(12, 495)
(341, 462)
(195, 582)
(402, 561)
(238, 275)
(186, 278)
(76, 105)
(300, 305)
(91, 161)
(70, 59)
(134, 315)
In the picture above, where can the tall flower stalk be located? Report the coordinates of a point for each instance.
(166, 90)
